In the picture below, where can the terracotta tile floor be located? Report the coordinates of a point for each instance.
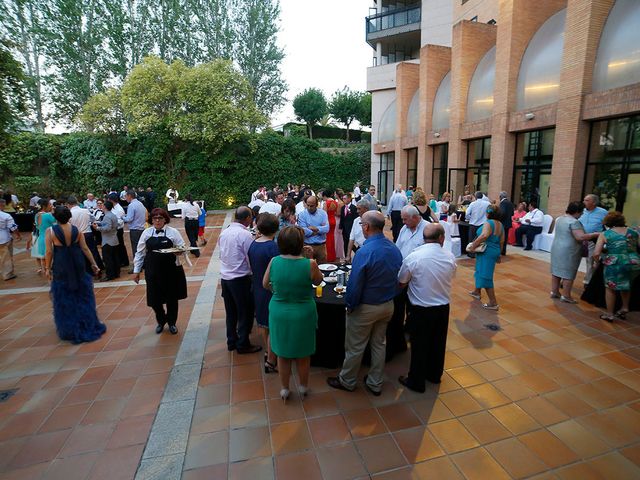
(554, 394)
(84, 411)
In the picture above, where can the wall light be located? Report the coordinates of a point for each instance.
(436, 134)
(529, 116)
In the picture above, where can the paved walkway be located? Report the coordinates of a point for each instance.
(554, 394)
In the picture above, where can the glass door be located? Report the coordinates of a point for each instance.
(478, 156)
(385, 177)
(532, 170)
(440, 162)
(412, 167)
(631, 208)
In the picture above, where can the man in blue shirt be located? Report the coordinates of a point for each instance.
(591, 219)
(397, 201)
(136, 217)
(370, 292)
(315, 224)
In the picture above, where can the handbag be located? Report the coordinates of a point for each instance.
(479, 249)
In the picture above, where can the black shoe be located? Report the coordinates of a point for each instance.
(405, 381)
(371, 390)
(231, 348)
(173, 329)
(159, 328)
(249, 349)
(527, 249)
(334, 382)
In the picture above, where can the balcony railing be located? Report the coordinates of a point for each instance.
(392, 19)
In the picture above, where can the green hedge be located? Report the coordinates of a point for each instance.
(80, 162)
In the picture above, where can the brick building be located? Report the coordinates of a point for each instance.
(541, 99)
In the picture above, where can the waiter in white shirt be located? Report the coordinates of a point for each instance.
(530, 225)
(273, 204)
(397, 201)
(82, 220)
(356, 237)
(191, 212)
(118, 211)
(428, 272)
(475, 216)
(409, 239)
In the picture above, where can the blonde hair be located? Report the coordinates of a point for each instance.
(419, 198)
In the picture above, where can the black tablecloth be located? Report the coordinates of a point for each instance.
(24, 221)
(594, 292)
(463, 228)
(331, 329)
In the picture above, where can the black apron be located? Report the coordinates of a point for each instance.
(165, 280)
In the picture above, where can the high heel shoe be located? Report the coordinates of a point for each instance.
(303, 391)
(284, 394)
(270, 367)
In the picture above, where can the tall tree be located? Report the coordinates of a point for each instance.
(213, 24)
(78, 67)
(257, 53)
(22, 24)
(364, 111)
(310, 106)
(12, 89)
(345, 106)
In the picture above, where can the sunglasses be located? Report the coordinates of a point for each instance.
(157, 217)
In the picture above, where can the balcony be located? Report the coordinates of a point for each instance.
(399, 25)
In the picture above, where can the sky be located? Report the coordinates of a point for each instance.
(325, 47)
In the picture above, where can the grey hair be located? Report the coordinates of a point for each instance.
(503, 194)
(411, 211)
(72, 200)
(366, 204)
(594, 197)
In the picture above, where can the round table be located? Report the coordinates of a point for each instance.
(331, 328)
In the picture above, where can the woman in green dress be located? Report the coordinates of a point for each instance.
(621, 262)
(292, 311)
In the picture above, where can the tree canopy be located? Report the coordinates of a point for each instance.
(12, 89)
(309, 107)
(345, 107)
(364, 112)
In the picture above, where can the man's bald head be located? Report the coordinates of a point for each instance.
(243, 215)
(374, 223)
(433, 233)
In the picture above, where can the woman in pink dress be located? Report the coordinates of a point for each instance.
(518, 214)
(331, 207)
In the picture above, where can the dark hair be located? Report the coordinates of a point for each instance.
(113, 197)
(493, 212)
(132, 193)
(62, 214)
(43, 202)
(291, 241)
(533, 204)
(160, 212)
(327, 193)
(289, 205)
(242, 213)
(575, 207)
(72, 200)
(271, 195)
(614, 219)
(267, 224)
(188, 198)
(108, 205)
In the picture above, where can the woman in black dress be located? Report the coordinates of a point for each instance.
(166, 282)
(420, 202)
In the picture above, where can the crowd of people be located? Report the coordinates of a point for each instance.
(275, 248)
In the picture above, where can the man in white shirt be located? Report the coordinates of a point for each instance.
(254, 195)
(90, 203)
(428, 272)
(273, 204)
(397, 201)
(8, 231)
(302, 204)
(356, 237)
(356, 192)
(476, 215)
(409, 239)
(82, 220)
(258, 201)
(123, 193)
(530, 226)
(235, 274)
(33, 201)
(118, 211)
(172, 195)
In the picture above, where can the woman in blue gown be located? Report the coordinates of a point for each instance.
(74, 304)
(492, 234)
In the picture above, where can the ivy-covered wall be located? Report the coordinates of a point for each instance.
(77, 163)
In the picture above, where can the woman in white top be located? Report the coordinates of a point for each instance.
(190, 212)
(166, 282)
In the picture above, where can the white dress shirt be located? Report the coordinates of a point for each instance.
(429, 271)
(299, 207)
(536, 216)
(81, 219)
(397, 201)
(192, 212)
(118, 211)
(271, 207)
(476, 213)
(356, 191)
(7, 226)
(357, 235)
(141, 251)
(409, 240)
(91, 204)
(234, 243)
(256, 203)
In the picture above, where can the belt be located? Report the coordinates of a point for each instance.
(192, 218)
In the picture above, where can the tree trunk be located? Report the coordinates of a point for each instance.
(310, 128)
(348, 124)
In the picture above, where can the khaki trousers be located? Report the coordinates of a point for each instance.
(366, 324)
(6, 259)
(589, 259)
(319, 253)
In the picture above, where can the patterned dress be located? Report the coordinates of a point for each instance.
(621, 262)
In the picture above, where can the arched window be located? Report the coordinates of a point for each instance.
(539, 77)
(413, 115)
(442, 104)
(387, 128)
(618, 57)
(480, 97)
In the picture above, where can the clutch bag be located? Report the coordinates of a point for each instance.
(479, 249)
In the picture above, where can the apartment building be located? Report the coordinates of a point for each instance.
(541, 99)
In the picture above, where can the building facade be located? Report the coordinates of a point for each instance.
(541, 99)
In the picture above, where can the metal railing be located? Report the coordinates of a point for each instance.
(394, 18)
